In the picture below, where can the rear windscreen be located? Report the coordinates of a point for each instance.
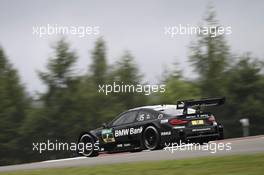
(176, 112)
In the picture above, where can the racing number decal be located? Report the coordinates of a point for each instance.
(108, 136)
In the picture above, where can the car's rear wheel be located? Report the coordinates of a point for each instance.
(86, 146)
(221, 135)
(151, 138)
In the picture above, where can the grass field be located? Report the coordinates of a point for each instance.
(225, 165)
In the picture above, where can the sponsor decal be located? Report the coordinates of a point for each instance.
(204, 115)
(123, 145)
(107, 136)
(197, 116)
(178, 127)
(164, 121)
(202, 129)
(128, 131)
(160, 116)
(127, 144)
(191, 116)
(167, 133)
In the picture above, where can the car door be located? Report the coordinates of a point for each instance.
(143, 118)
(123, 127)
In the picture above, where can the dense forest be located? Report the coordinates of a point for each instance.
(72, 102)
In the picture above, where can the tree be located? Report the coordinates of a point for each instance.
(126, 73)
(99, 65)
(13, 107)
(59, 67)
(177, 88)
(96, 106)
(210, 58)
(245, 96)
(58, 113)
(58, 107)
(60, 101)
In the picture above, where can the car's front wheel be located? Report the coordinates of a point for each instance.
(87, 146)
(151, 138)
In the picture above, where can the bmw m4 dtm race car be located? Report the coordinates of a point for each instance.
(151, 127)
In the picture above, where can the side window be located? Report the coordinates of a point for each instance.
(126, 118)
(144, 116)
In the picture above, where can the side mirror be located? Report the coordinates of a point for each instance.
(104, 125)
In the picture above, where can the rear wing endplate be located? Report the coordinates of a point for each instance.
(184, 104)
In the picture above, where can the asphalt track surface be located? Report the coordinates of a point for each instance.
(246, 145)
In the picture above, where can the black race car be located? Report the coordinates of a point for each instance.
(151, 127)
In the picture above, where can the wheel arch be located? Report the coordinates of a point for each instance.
(87, 132)
(155, 125)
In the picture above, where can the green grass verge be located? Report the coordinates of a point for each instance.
(227, 165)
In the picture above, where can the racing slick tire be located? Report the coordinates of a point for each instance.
(221, 135)
(85, 139)
(151, 138)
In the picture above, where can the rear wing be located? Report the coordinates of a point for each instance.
(199, 103)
